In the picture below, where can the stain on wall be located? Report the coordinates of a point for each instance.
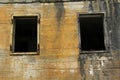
(60, 11)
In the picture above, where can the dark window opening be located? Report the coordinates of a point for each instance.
(92, 32)
(25, 34)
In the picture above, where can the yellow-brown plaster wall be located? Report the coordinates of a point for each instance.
(58, 40)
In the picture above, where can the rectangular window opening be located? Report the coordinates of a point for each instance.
(25, 34)
(92, 32)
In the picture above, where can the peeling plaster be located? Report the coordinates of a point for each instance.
(72, 71)
(72, 7)
(91, 70)
(102, 59)
(29, 74)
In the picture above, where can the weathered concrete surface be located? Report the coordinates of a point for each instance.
(60, 57)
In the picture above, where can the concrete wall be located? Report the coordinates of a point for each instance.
(59, 57)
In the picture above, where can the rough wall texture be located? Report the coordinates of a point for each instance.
(59, 57)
